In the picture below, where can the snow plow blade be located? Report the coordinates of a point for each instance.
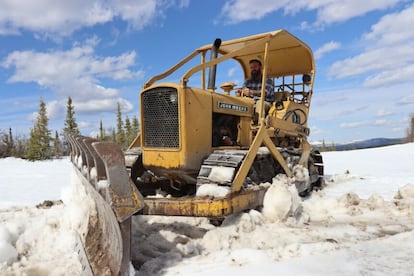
(104, 248)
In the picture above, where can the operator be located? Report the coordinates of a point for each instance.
(252, 87)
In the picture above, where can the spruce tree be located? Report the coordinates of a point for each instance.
(3, 145)
(38, 147)
(120, 133)
(113, 136)
(135, 126)
(56, 145)
(21, 147)
(11, 147)
(71, 127)
(101, 131)
(410, 130)
(128, 131)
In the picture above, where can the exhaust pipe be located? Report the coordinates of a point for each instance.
(212, 72)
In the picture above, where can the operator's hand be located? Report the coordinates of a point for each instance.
(246, 92)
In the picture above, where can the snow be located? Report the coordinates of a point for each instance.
(361, 223)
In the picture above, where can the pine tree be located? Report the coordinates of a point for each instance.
(71, 127)
(323, 147)
(410, 130)
(113, 136)
(21, 147)
(135, 126)
(129, 133)
(3, 145)
(120, 133)
(11, 147)
(56, 146)
(101, 131)
(38, 147)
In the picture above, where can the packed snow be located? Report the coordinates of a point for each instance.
(361, 223)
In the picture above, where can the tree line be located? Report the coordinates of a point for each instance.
(42, 144)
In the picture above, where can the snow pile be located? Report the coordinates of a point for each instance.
(78, 206)
(364, 218)
(26, 183)
(281, 200)
(38, 242)
(8, 252)
(213, 190)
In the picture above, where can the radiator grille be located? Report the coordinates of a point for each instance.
(160, 122)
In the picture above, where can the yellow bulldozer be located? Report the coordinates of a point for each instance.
(202, 150)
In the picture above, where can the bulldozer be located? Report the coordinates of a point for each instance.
(202, 150)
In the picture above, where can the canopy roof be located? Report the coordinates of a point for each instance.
(286, 53)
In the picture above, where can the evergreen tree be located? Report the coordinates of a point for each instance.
(34, 148)
(129, 133)
(113, 136)
(135, 126)
(410, 130)
(71, 127)
(56, 146)
(3, 145)
(101, 131)
(38, 147)
(323, 147)
(11, 147)
(21, 147)
(120, 133)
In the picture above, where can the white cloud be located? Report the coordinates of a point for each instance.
(237, 11)
(408, 99)
(382, 122)
(54, 109)
(354, 124)
(76, 72)
(328, 11)
(83, 124)
(388, 57)
(102, 105)
(384, 112)
(393, 76)
(326, 48)
(393, 28)
(65, 17)
(340, 11)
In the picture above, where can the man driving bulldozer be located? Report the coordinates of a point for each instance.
(252, 87)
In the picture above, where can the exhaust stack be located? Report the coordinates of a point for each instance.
(212, 72)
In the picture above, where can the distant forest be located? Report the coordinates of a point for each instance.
(44, 143)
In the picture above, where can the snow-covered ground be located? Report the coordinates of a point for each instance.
(360, 224)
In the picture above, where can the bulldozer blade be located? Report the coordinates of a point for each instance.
(104, 249)
(124, 196)
(102, 241)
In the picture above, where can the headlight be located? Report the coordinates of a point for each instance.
(173, 97)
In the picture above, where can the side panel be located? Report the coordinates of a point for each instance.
(193, 141)
(238, 106)
(196, 127)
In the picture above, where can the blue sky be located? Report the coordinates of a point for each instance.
(101, 53)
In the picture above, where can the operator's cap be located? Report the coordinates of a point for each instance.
(255, 60)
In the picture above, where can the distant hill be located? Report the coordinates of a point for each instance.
(370, 143)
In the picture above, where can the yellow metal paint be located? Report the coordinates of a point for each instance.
(195, 106)
(205, 206)
(283, 55)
